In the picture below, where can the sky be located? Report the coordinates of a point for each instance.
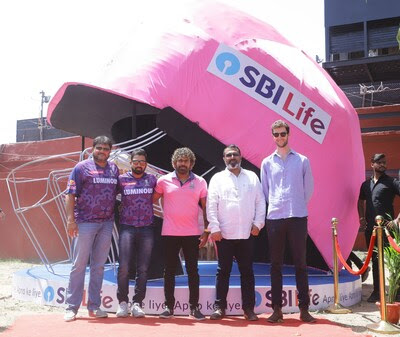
(46, 43)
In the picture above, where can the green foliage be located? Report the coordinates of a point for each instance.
(392, 263)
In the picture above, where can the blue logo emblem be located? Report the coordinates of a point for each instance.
(227, 63)
(258, 298)
(48, 294)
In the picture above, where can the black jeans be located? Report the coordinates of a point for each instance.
(353, 258)
(295, 230)
(375, 267)
(242, 250)
(190, 248)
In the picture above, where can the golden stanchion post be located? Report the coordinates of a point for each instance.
(383, 326)
(336, 307)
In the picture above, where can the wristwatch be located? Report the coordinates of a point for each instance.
(206, 230)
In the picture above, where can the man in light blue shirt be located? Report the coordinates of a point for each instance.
(288, 184)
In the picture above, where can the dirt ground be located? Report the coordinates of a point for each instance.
(10, 308)
(362, 314)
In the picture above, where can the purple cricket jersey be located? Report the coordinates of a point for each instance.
(136, 199)
(95, 188)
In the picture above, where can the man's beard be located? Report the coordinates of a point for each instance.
(97, 158)
(381, 169)
(233, 166)
(283, 145)
(138, 170)
(183, 169)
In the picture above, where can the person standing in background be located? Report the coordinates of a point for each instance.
(376, 198)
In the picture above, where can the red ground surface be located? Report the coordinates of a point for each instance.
(53, 325)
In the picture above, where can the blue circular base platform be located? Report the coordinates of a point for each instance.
(41, 286)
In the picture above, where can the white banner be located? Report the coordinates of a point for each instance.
(269, 89)
(52, 292)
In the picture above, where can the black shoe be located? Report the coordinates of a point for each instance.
(277, 316)
(196, 314)
(250, 315)
(218, 314)
(167, 313)
(374, 297)
(306, 317)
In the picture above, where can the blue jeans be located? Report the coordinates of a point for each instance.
(94, 241)
(137, 243)
(242, 250)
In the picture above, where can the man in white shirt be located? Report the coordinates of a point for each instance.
(235, 211)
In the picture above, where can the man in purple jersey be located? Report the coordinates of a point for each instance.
(136, 237)
(90, 199)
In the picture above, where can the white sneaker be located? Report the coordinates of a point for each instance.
(123, 310)
(137, 311)
(98, 313)
(69, 316)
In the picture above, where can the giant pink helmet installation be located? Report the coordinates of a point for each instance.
(234, 75)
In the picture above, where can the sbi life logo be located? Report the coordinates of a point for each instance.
(48, 294)
(227, 63)
(269, 89)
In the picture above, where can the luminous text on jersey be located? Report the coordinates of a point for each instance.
(148, 190)
(100, 180)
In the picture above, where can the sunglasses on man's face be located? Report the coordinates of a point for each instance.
(232, 154)
(100, 148)
(138, 162)
(277, 134)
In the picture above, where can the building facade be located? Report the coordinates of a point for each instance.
(363, 57)
(362, 51)
(33, 129)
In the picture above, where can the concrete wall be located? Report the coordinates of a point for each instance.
(14, 242)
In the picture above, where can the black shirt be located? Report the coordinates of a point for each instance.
(379, 197)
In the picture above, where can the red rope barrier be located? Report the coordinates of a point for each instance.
(366, 262)
(392, 242)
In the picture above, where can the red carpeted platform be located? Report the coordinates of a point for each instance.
(151, 326)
